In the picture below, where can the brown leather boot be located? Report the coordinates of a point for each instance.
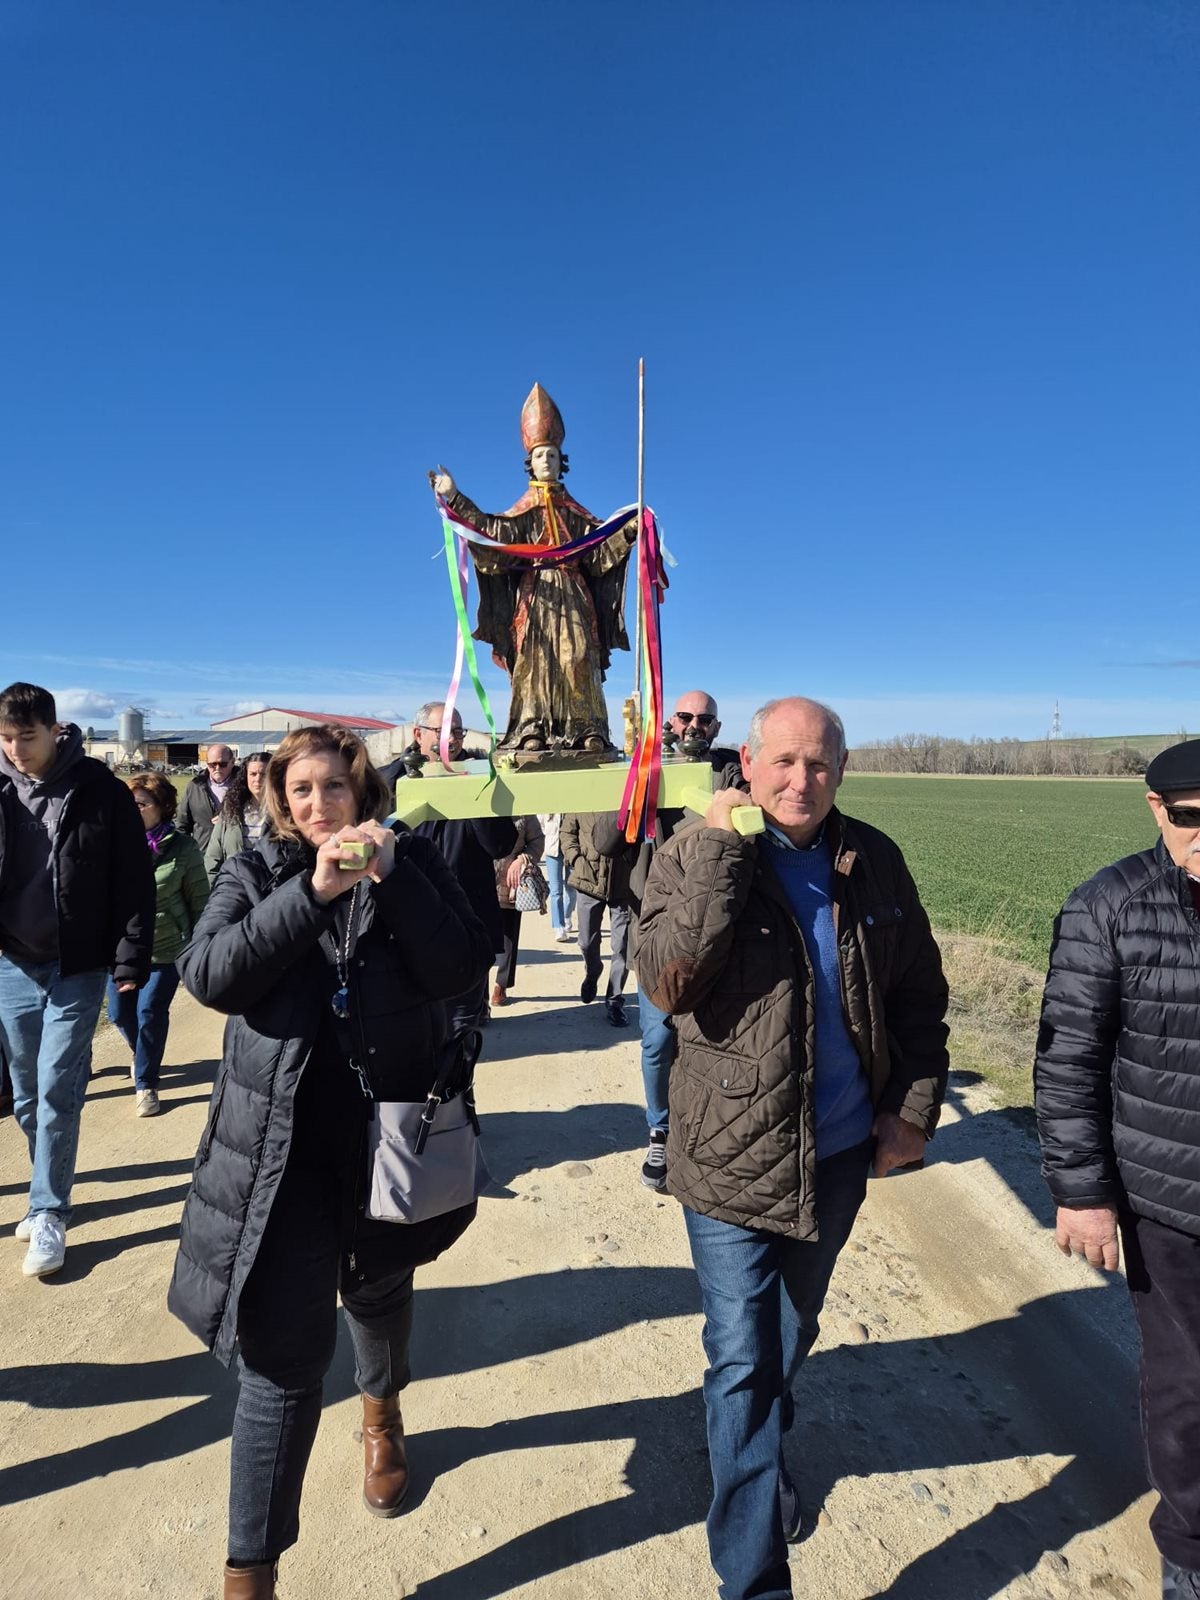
(385, 1483)
(251, 1583)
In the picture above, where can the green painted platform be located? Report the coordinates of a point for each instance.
(440, 796)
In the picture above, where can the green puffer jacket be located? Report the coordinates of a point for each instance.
(722, 952)
(180, 895)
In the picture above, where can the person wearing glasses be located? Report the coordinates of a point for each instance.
(205, 795)
(693, 710)
(334, 973)
(1117, 1094)
(697, 710)
(242, 818)
(143, 1016)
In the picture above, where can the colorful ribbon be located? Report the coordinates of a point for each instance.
(638, 816)
(537, 554)
(459, 568)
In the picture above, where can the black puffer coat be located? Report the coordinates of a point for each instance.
(262, 953)
(1117, 1076)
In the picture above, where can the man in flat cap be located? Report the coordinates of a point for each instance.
(1117, 1084)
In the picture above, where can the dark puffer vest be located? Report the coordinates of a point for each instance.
(1118, 1059)
(257, 955)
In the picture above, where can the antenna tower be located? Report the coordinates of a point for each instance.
(1056, 724)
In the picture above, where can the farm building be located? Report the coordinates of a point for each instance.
(133, 745)
(383, 739)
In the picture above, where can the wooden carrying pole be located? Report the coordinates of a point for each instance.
(641, 502)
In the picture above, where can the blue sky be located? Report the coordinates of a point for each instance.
(915, 281)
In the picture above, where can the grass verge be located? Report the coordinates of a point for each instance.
(993, 1016)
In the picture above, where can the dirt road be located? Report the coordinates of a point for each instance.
(967, 1420)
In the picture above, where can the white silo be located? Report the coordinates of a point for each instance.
(131, 733)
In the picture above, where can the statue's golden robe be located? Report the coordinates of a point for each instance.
(554, 628)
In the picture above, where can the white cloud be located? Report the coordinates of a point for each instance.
(85, 705)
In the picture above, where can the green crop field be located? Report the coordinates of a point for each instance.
(998, 856)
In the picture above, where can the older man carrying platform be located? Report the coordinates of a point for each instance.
(809, 1006)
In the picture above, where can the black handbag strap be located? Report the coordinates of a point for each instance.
(461, 1060)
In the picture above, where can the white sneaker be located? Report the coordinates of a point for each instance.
(561, 935)
(24, 1228)
(47, 1246)
(147, 1103)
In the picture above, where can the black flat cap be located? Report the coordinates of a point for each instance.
(1175, 769)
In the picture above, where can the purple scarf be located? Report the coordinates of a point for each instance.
(157, 837)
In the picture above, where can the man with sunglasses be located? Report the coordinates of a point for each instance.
(205, 795)
(1117, 1090)
(697, 710)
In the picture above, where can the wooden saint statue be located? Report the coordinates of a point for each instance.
(552, 628)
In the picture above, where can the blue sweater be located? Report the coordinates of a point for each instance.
(842, 1112)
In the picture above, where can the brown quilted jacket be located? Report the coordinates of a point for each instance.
(721, 951)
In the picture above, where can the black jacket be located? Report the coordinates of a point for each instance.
(261, 953)
(471, 848)
(198, 807)
(1117, 1077)
(103, 875)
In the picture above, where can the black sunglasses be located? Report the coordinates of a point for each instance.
(1183, 816)
(703, 719)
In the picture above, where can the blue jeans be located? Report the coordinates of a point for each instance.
(142, 1017)
(46, 1027)
(562, 895)
(762, 1296)
(658, 1052)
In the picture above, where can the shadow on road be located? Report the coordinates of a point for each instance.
(912, 1406)
(531, 1141)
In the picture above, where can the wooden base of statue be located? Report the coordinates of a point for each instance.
(525, 790)
(562, 759)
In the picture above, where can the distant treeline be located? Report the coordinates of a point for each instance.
(1066, 758)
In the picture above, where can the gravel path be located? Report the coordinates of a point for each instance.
(967, 1420)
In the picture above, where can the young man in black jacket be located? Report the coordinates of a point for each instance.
(1117, 1089)
(76, 902)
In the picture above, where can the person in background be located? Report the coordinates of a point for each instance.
(76, 902)
(1117, 1095)
(471, 849)
(599, 881)
(509, 871)
(205, 794)
(657, 1030)
(335, 980)
(242, 817)
(809, 1005)
(562, 895)
(143, 1016)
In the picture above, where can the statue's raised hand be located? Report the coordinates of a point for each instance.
(442, 482)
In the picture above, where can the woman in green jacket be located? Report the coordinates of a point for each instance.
(142, 1016)
(242, 820)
